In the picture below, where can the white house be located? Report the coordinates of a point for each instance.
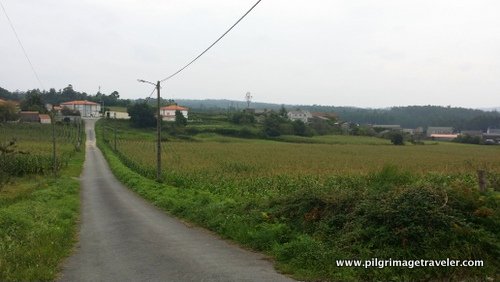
(86, 108)
(45, 119)
(168, 112)
(304, 116)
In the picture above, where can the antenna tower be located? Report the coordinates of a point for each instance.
(248, 98)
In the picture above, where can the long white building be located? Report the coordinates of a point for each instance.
(86, 108)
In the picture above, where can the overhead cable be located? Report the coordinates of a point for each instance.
(22, 47)
(209, 47)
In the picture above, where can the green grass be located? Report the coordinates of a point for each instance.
(117, 109)
(310, 204)
(38, 217)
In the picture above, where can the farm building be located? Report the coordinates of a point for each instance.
(493, 131)
(45, 119)
(439, 130)
(301, 115)
(27, 116)
(444, 137)
(168, 112)
(492, 136)
(86, 108)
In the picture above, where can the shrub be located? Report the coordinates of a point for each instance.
(397, 138)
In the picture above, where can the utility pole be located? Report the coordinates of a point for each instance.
(102, 102)
(158, 127)
(158, 132)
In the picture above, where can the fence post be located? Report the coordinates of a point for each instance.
(115, 138)
(78, 134)
(54, 160)
(481, 177)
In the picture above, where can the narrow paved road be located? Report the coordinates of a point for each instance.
(124, 238)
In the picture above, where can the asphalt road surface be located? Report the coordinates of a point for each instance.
(124, 238)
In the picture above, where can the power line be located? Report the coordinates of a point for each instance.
(149, 97)
(209, 47)
(21, 44)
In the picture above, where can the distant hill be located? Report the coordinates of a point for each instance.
(409, 117)
(491, 109)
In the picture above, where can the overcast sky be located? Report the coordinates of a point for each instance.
(371, 53)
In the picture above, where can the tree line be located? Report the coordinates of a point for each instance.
(408, 117)
(55, 97)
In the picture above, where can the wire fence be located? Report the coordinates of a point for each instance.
(34, 148)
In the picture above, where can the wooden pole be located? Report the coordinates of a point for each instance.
(158, 137)
(481, 177)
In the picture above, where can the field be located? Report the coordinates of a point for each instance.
(28, 149)
(38, 206)
(332, 197)
(266, 158)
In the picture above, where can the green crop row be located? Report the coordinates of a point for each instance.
(28, 148)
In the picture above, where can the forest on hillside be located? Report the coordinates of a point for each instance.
(408, 117)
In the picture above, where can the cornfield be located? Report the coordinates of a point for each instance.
(236, 167)
(27, 148)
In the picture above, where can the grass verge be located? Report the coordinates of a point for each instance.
(38, 218)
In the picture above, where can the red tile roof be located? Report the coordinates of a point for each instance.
(79, 102)
(44, 116)
(174, 108)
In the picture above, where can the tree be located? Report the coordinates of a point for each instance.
(142, 115)
(7, 95)
(33, 102)
(299, 128)
(283, 113)
(8, 111)
(397, 138)
(180, 119)
(272, 125)
(69, 94)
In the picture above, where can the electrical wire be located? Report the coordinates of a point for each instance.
(216, 41)
(21, 44)
(149, 97)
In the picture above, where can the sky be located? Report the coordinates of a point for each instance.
(371, 53)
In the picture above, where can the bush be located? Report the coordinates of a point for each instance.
(468, 139)
(242, 118)
(397, 138)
